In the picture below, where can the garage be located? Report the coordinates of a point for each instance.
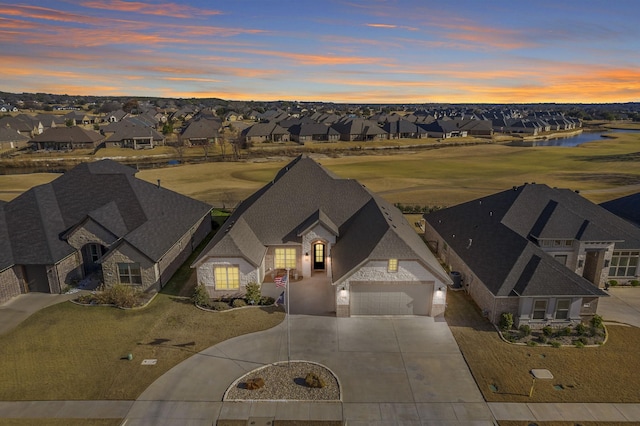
(390, 298)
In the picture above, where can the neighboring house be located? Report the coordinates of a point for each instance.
(24, 124)
(475, 127)
(97, 217)
(266, 132)
(313, 132)
(367, 256)
(232, 116)
(540, 253)
(358, 129)
(10, 139)
(8, 108)
(66, 138)
(79, 118)
(627, 207)
(403, 129)
(443, 129)
(129, 135)
(114, 116)
(201, 132)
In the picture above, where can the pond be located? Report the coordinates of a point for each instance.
(576, 140)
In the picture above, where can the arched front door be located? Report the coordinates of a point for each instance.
(318, 256)
(90, 255)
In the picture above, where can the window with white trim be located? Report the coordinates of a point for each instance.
(624, 263)
(539, 309)
(129, 273)
(562, 309)
(393, 265)
(285, 258)
(227, 277)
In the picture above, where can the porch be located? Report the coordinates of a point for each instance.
(308, 296)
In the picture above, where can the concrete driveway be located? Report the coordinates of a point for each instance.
(21, 307)
(622, 305)
(390, 369)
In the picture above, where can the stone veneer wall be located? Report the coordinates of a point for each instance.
(10, 283)
(248, 274)
(127, 254)
(68, 270)
(90, 233)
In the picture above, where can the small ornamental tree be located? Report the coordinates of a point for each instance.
(253, 293)
(506, 321)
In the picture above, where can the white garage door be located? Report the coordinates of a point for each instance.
(390, 298)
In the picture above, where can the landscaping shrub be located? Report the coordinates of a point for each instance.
(220, 306)
(238, 303)
(506, 321)
(542, 338)
(555, 344)
(314, 381)
(201, 296)
(547, 330)
(596, 322)
(532, 343)
(267, 301)
(579, 344)
(635, 283)
(581, 329)
(253, 293)
(566, 331)
(613, 283)
(582, 340)
(525, 330)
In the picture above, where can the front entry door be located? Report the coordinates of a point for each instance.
(318, 256)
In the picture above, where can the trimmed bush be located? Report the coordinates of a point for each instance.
(314, 381)
(613, 283)
(596, 322)
(238, 303)
(253, 293)
(542, 338)
(555, 344)
(581, 329)
(506, 321)
(201, 296)
(220, 306)
(547, 330)
(635, 283)
(532, 343)
(579, 344)
(267, 301)
(525, 330)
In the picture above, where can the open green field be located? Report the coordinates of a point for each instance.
(601, 170)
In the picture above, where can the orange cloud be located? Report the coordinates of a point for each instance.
(162, 9)
(382, 25)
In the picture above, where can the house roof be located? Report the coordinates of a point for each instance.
(149, 218)
(7, 134)
(65, 134)
(496, 237)
(202, 129)
(304, 194)
(127, 131)
(627, 207)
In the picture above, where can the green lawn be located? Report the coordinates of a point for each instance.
(72, 352)
(594, 374)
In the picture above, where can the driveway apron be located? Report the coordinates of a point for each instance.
(386, 364)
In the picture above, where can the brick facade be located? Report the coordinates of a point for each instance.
(11, 280)
(127, 254)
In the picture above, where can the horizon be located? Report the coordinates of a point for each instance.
(357, 52)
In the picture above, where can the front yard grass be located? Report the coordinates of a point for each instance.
(72, 352)
(592, 374)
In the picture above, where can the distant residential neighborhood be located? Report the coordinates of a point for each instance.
(29, 121)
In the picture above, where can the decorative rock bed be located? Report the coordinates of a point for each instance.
(286, 381)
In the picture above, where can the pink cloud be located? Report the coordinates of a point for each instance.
(161, 9)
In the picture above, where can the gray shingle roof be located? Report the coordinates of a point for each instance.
(304, 193)
(66, 134)
(625, 207)
(149, 218)
(495, 236)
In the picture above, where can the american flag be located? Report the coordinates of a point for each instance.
(280, 281)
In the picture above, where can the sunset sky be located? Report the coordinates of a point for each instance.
(353, 51)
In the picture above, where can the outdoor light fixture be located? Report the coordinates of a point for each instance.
(306, 254)
(440, 289)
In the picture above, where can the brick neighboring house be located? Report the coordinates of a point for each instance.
(357, 245)
(201, 132)
(96, 218)
(66, 138)
(541, 253)
(130, 135)
(11, 139)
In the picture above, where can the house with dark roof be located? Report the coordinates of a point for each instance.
(359, 129)
(11, 139)
(96, 218)
(327, 230)
(201, 132)
(265, 132)
(313, 132)
(443, 129)
(627, 207)
(135, 136)
(541, 253)
(66, 138)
